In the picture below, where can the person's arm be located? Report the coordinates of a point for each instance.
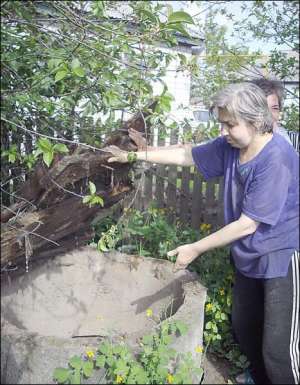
(181, 156)
(233, 231)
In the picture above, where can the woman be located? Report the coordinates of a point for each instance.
(261, 202)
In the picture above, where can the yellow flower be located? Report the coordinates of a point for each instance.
(90, 354)
(119, 379)
(209, 306)
(222, 291)
(205, 227)
(170, 378)
(199, 349)
(149, 312)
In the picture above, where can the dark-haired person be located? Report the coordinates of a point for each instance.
(274, 91)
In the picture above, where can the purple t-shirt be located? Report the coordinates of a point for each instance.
(265, 189)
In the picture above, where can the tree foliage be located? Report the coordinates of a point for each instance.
(265, 21)
(70, 67)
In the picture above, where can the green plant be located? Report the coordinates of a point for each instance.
(150, 232)
(156, 362)
(11, 153)
(217, 274)
(93, 199)
(48, 149)
(109, 239)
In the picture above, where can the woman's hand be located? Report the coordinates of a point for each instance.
(119, 155)
(185, 255)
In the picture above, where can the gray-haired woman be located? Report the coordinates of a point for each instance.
(261, 206)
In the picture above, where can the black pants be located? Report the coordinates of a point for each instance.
(265, 318)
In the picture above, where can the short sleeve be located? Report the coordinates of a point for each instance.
(209, 158)
(267, 193)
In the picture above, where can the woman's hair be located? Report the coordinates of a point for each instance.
(246, 102)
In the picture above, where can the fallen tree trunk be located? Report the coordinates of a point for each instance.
(49, 216)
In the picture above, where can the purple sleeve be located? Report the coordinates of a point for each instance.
(267, 193)
(209, 158)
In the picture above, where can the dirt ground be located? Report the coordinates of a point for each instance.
(216, 370)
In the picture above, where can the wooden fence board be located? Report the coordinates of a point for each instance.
(197, 201)
(210, 202)
(185, 197)
(147, 190)
(172, 180)
(221, 202)
(160, 172)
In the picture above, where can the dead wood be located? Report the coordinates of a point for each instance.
(49, 216)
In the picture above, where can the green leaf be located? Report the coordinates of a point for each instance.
(47, 158)
(87, 368)
(223, 316)
(183, 59)
(97, 199)
(61, 75)
(121, 368)
(79, 71)
(182, 327)
(37, 152)
(149, 15)
(76, 362)
(179, 28)
(100, 361)
(61, 375)
(11, 158)
(208, 325)
(86, 199)
(180, 16)
(44, 144)
(104, 349)
(75, 63)
(76, 377)
(147, 340)
(60, 147)
(92, 188)
(110, 361)
(167, 339)
(101, 246)
(54, 63)
(162, 372)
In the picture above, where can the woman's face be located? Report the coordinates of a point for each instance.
(273, 104)
(237, 134)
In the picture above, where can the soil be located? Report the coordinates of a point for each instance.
(216, 370)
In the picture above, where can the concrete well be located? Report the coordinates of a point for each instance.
(67, 305)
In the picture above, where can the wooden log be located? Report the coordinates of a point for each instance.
(50, 217)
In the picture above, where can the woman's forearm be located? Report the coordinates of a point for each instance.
(177, 156)
(233, 231)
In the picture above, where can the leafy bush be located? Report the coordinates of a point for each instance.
(155, 363)
(147, 233)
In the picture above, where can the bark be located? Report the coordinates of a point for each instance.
(49, 218)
